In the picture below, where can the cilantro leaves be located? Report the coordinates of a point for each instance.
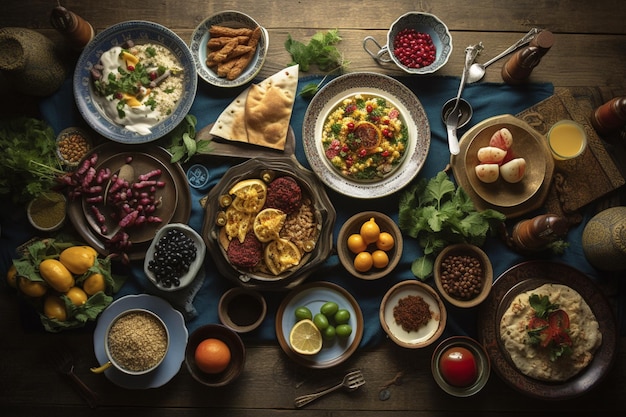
(320, 51)
(438, 214)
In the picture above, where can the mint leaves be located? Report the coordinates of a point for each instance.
(438, 214)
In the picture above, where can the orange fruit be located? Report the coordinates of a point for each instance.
(212, 356)
(385, 241)
(380, 259)
(54, 308)
(77, 296)
(363, 261)
(370, 231)
(12, 276)
(94, 283)
(32, 288)
(356, 243)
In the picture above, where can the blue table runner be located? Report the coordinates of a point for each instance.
(487, 99)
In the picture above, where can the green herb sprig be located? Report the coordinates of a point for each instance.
(438, 214)
(181, 142)
(320, 51)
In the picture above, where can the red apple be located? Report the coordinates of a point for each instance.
(502, 139)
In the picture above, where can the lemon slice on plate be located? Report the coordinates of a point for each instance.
(281, 254)
(268, 223)
(305, 338)
(249, 195)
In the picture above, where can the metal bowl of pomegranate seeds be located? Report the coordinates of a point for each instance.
(417, 42)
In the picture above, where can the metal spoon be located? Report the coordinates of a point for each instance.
(452, 121)
(477, 71)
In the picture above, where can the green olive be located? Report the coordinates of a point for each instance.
(329, 333)
(329, 308)
(303, 313)
(343, 330)
(342, 316)
(321, 321)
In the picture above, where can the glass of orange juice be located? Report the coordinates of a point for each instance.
(566, 140)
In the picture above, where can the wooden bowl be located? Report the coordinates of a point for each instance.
(237, 351)
(462, 249)
(353, 225)
(242, 309)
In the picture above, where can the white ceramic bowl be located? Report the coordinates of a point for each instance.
(195, 266)
(426, 334)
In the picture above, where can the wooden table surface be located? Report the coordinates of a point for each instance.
(590, 51)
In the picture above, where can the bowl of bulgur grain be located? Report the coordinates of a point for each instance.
(136, 342)
(412, 314)
(463, 275)
(73, 143)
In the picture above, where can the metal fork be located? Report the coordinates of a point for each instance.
(64, 364)
(351, 382)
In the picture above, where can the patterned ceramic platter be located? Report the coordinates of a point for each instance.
(140, 32)
(376, 85)
(525, 277)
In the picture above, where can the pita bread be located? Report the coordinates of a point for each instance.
(260, 114)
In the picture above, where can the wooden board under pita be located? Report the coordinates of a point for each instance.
(221, 147)
(582, 180)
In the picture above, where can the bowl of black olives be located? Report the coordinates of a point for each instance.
(174, 257)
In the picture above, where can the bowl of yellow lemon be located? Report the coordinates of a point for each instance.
(268, 223)
(369, 245)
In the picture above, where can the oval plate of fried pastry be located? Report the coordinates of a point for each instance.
(528, 276)
(229, 49)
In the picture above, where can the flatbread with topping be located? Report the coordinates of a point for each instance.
(534, 361)
(260, 114)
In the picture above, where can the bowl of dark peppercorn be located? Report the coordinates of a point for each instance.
(412, 314)
(174, 257)
(463, 275)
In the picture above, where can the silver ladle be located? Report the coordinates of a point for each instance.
(452, 120)
(477, 71)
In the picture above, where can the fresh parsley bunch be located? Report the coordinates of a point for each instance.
(320, 51)
(438, 214)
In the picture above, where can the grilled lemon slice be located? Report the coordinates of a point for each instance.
(281, 254)
(249, 195)
(268, 223)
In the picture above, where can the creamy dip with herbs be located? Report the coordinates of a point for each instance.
(139, 86)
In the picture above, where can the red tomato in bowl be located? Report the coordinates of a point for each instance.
(458, 366)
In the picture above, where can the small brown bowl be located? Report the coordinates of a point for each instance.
(47, 212)
(352, 226)
(242, 309)
(77, 139)
(237, 351)
(459, 384)
(427, 333)
(463, 249)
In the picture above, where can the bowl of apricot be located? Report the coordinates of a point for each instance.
(369, 245)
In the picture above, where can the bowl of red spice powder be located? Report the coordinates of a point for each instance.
(412, 314)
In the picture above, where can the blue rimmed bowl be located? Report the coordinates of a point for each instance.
(140, 32)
